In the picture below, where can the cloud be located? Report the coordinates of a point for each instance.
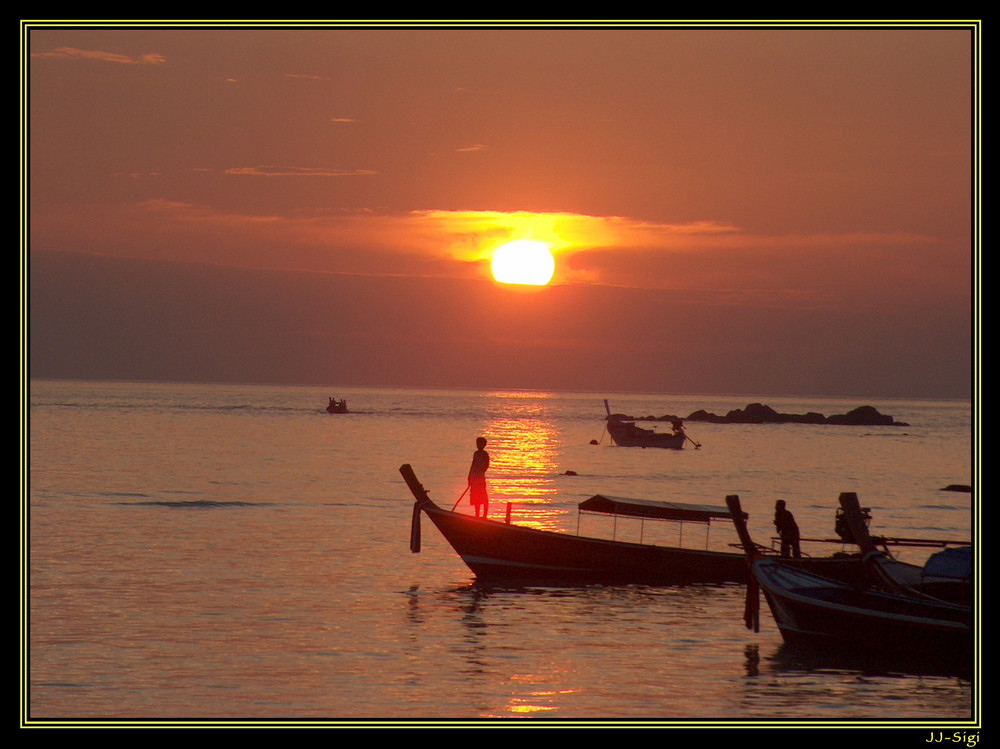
(701, 259)
(563, 231)
(68, 53)
(296, 171)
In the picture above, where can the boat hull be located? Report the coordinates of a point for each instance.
(813, 610)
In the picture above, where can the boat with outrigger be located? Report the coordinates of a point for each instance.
(504, 553)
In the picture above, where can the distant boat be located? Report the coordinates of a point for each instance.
(500, 552)
(832, 615)
(625, 433)
(337, 407)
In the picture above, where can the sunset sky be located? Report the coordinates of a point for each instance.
(786, 211)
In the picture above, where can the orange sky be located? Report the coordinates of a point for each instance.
(796, 204)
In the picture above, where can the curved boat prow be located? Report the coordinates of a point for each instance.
(751, 606)
(422, 499)
(419, 493)
(740, 521)
(890, 575)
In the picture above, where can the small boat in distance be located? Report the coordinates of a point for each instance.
(337, 407)
(625, 433)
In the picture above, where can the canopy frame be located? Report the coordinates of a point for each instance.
(647, 509)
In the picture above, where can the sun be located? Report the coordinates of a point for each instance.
(523, 261)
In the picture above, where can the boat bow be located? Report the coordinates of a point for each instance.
(422, 501)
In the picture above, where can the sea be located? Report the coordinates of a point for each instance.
(220, 554)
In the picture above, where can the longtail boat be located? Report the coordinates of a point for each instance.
(626, 433)
(835, 616)
(502, 552)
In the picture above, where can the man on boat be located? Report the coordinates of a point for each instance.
(788, 530)
(477, 478)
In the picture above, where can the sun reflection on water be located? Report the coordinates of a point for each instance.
(522, 442)
(536, 699)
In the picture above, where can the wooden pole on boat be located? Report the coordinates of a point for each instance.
(459, 499)
(740, 521)
(751, 609)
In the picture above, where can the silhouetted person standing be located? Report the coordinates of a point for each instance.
(477, 478)
(788, 530)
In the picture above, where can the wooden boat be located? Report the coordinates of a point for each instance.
(855, 567)
(337, 407)
(821, 611)
(500, 552)
(625, 433)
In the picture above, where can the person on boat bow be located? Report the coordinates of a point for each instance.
(788, 530)
(477, 478)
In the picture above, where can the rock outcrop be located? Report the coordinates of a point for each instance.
(758, 413)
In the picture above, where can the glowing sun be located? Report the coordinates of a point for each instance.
(523, 261)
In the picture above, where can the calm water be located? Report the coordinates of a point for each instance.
(201, 552)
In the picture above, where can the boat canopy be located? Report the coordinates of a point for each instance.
(953, 564)
(647, 508)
